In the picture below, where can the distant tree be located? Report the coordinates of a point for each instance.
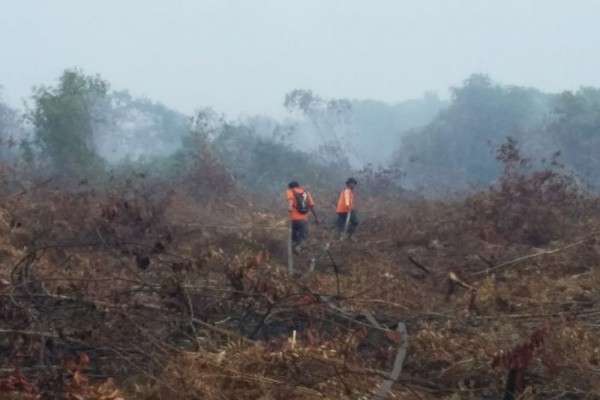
(331, 119)
(575, 125)
(10, 130)
(139, 127)
(381, 126)
(66, 117)
(266, 164)
(218, 154)
(359, 132)
(456, 148)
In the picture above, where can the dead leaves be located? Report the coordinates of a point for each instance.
(79, 387)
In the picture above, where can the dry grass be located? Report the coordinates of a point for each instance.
(174, 297)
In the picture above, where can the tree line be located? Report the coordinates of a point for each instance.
(80, 128)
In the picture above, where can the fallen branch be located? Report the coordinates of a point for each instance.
(353, 317)
(530, 256)
(455, 279)
(388, 382)
(28, 333)
(386, 387)
(489, 263)
(418, 265)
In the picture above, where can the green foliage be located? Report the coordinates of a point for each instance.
(266, 164)
(456, 147)
(80, 127)
(380, 126)
(9, 131)
(357, 132)
(65, 118)
(140, 128)
(27, 153)
(575, 126)
(331, 124)
(217, 154)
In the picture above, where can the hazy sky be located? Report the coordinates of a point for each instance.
(242, 56)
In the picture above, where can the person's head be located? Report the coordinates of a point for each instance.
(293, 184)
(351, 183)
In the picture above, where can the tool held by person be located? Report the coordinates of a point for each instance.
(347, 220)
(317, 220)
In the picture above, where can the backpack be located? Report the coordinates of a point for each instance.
(301, 202)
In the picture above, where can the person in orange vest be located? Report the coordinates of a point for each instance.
(347, 220)
(300, 203)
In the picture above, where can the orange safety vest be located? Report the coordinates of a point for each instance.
(345, 202)
(293, 211)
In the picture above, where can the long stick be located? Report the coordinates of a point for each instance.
(336, 269)
(290, 250)
(347, 224)
(530, 256)
(315, 214)
(418, 265)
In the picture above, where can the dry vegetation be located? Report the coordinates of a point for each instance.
(143, 291)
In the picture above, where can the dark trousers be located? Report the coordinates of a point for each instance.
(299, 232)
(341, 222)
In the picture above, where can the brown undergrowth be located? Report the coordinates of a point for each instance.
(142, 291)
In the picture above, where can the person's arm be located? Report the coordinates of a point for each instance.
(311, 202)
(290, 199)
(311, 205)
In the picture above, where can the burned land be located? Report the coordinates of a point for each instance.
(144, 290)
(144, 254)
